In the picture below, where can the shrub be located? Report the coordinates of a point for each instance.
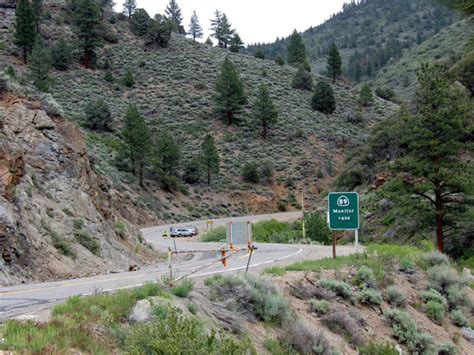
(435, 258)
(266, 171)
(323, 99)
(366, 98)
(78, 223)
(395, 297)
(250, 173)
(192, 171)
(406, 265)
(433, 295)
(216, 234)
(447, 348)
(441, 278)
(316, 228)
(61, 55)
(62, 245)
(302, 79)
(279, 60)
(251, 295)
(364, 277)
(259, 54)
(11, 72)
(183, 288)
(273, 231)
(459, 318)
(385, 93)
(343, 323)
(98, 116)
(275, 271)
(370, 296)
(88, 242)
(175, 333)
(339, 287)
(302, 338)
(139, 22)
(129, 79)
(459, 296)
(109, 76)
(435, 311)
(320, 307)
(378, 349)
(407, 332)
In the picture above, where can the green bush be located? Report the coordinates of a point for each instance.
(435, 258)
(98, 116)
(366, 98)
(300, 337)
(88, 242)
(174, 333)
(378, 349)
(459, 318)
(302, 79)
(78, 223)
(433, 295)
(364, 277)
(406, 265)
(395, 297)
(62, 245)
(458, 296)
(252, 295)
(447, 348)
(251, 173)
(340, 288)
(128, 80)
(442, 277)
(346, 324)
(320, 307)
(316, 228)
(183, 288)
(120, 229)
(274, 231)
(435, 311)
(407, 332)
(385, 93)
(216, 234)
(370, 296)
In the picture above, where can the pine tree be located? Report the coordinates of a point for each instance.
(264, 110)
(25, 27)
(209, 41)
(260, 54)
(296, 50)
(210, 157)
(173, 12)
(221, 29)
(137, 141)
(167, 160)
(334, 66)
(61, 54)
(140, 22)
(323, 99)
(236, 43)
(436, 181)
(366, 98)
(129, 79)
(466, 6)
(195, 29)
(279, 60)
(40, 67)
(129, 7)
(87, 22)
(302, 79)
(229, 91)
(159, 31)
(38, 11)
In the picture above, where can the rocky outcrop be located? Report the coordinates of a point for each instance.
(7, 4)
(51, 200)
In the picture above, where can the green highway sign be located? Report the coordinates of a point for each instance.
(343, 210)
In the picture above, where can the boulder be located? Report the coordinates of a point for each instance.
(141, 311)
(468, 334)
(42, 121)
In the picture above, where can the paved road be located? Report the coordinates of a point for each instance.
(24, 299)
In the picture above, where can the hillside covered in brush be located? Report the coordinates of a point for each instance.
(371, 34)
(173, 88)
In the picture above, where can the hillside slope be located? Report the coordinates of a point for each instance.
(447, 47)
(174, 88)
(370, 34)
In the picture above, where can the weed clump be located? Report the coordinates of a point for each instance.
(88, 242)
(395, 297)
(433, 295)
(320, 307)
(459, 319)
(435, 311)
(364, 277)
(378, 349)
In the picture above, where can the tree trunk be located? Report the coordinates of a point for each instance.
(208, 177)
(140, 172)
(439, 220)
(265, 128)
(229, 118)
(86, 58)
(24, 56)
(334, 77)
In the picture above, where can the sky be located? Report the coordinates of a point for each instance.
(256, 21)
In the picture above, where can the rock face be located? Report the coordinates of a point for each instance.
(51, 199)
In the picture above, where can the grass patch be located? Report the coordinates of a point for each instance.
(217, 234)
(183, 288)
(88, 242)
(62, 245)
(275, 271)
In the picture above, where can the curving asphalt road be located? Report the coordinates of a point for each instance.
(24, 299)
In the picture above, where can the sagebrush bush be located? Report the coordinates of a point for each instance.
(441, 278)
(343, 323)
(459, 319)
(370, 296)
(459, 296)
(320, 307)
(447, 348)
(407, 332)
(435, 258)
(435, 311)
(433, 295)
(251, 295)
(378, 349)
(395, 297)
(341, 288)
(302, 338)
(364, 277)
